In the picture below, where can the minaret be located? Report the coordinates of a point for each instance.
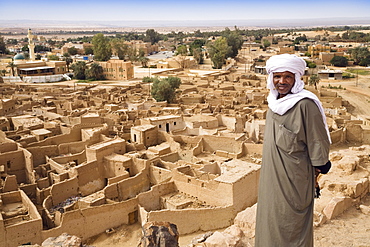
(31, 45)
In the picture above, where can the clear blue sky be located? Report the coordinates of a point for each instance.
(121, 10)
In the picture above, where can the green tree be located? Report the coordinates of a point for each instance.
(198, 43)
(39, 48)
(339, 61)
(12, 67)
(89, 50)
(198, 55)
(181, 53)
(310, 64)
(132, 54)
(218, 51)
(314, 80)
(152, 36)
(68, 59)
(53, 57)
(234, 40)
(165, 89)
(266, 44)
(102, 48)
(359, 53)
(2, 72)
(119, 48)
(144, 61)
(365, 61)
(94, 72)
(79, 69)
(175, 82)
(38, 57)
(72, 50)
(300, 39)
(147, 79)
(25, 48)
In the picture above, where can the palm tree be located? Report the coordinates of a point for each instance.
(12, 66)
(68, 60)
(314, 80)
(144, 61)
(95, 72)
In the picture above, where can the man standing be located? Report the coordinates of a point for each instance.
(296, 144)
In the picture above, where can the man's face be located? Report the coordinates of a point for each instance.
(283, 82)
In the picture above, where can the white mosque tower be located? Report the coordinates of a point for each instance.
(31, 45)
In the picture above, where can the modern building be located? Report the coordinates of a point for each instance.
(116, 69)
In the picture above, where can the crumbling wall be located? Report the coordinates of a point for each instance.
(252, 148)
(25, 231)
(338, 136)
(90, 177)
(214, 143)
(63, 190)
(354, 133)
(150, 200)
(28, 163)
(211, 192)
(8, 147)
(365, 135)
(159, 174)
(13, 163)
(133, 186)
(39, 153)
(79, 157)
(250, 181)
(73, 136)
(91, 221)
(194, 220)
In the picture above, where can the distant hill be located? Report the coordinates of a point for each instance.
(267, 23)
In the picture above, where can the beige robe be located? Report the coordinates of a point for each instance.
(293, 144)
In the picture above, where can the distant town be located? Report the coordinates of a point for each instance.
(104, 128)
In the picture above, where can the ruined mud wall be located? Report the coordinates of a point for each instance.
(8, 146)
(39, 153)
(91, 221)
(73, 136)
(211, 192)
(194, 220)
(14, 164)
(129, 187)
(90, 178)
(214, 143)
(28, 160)
(150, 200)
(63, 190)
(252, 148)
(158, 174)
(338, 136)
(79, 157)
(242, 197)
(25, 231)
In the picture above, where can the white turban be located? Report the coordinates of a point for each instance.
(286, 62)
(297, 66)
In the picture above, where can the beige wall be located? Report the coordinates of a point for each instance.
(14, 164)
(91, 221)
(193, 220)
(25, 231)
(117, 70)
